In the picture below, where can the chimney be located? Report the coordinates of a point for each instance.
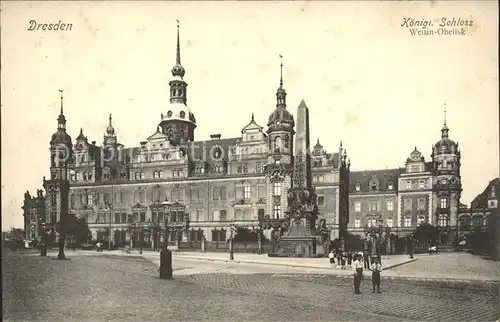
(215, 136)
(93, 142)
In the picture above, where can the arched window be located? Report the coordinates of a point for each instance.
(443, 221)
(277, 144)
(478, 221)
(464, 222)
(174, 92)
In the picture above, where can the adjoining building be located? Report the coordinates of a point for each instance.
(34, 214)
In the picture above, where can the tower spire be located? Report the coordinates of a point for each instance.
(281, 70)
(178, 56)
(110, 130)
(61, 91)
(445, 129)
(61, 120)
(281, 94)
(444, 114)
(178, 70)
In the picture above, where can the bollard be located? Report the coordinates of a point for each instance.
(166, 265)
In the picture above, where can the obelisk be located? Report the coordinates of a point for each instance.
(300, 239)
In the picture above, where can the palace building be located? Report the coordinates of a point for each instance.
(235, 181)
(220, 182)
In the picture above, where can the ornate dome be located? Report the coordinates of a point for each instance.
(281, 115)
(445, 145)
(61, 137)
(110, 130)
(180, 112)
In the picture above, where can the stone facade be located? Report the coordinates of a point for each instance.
(482, 209)
(34, 214)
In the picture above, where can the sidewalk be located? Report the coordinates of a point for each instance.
(314, 266)
(316, 263)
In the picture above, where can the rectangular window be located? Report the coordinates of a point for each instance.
(408, 184)
(389, 222)
(142, 175)
(117, 218)
(124, 218)
(237, 214)
(247, 192)
(72, 199)
(246, 214)
(215, 216)
(90, 199)
(142, 196)
(117, 197)
(372, 222)
(261, 191)
(357, 206)
(277, 189)
(223, 193)
(358, 187)
(443, 203)
(407, 204)
(216, 193)
(223, 215)
(373, 206)
(407, 222)
(389, 205)
(239, 193)
(357, 223)
(421, 184)
(321, 200)
(421, 203)
(277, 211)
(390, 186)
(143, 217)
(261, 213)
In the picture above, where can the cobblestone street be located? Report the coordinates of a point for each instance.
(127, 288)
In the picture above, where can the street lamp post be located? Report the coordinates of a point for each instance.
(110, 206)
(231, 244)
(64, 208)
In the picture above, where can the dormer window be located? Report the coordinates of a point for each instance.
(373, 185)
(390, 185)
(358, 187)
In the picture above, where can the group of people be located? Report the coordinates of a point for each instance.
(358, 262)
(99, 246)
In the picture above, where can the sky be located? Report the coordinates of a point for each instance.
(366, 80)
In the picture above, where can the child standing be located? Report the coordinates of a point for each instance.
(376, 268)
(331, 255)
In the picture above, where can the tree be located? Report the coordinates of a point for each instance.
(426, 232)
(247, 235)
(77, 228)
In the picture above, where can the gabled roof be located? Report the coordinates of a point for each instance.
(157, 135)
(252, 126)
(481, 200)
(383, 176)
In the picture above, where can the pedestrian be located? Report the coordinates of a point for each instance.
(357, 272)
(331, 256)
(98, 246)
(349, 259)
(366, 261)
(343, 259)
(376, 269)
